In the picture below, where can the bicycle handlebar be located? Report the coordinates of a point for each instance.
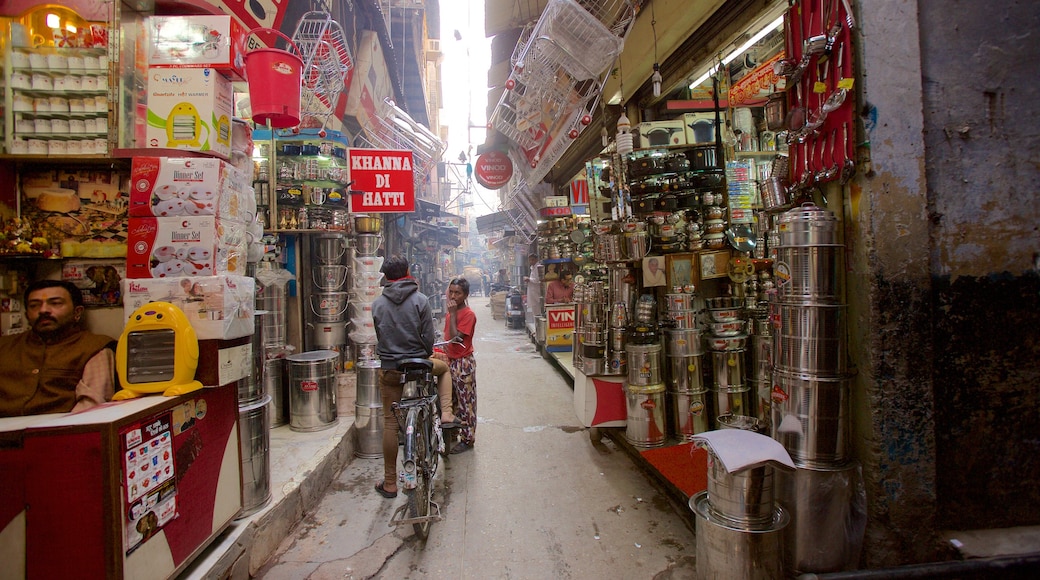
(456, 340)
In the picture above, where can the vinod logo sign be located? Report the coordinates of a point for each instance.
(560, 318)
(493, 169)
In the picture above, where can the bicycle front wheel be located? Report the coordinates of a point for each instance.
(422, 496)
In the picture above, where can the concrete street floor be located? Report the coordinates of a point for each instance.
(535, 498)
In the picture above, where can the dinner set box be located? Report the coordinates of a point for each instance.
(196, 41)
(192, 186)
(218, 307)
(168, 247)
(189, 109)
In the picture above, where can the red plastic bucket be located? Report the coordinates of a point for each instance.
(274, 84)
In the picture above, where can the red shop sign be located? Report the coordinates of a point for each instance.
(493, 169)
(383, 181)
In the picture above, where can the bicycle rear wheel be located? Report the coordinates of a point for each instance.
(420, 500)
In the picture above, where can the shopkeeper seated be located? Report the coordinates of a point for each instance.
(560, 290)
(56, 366)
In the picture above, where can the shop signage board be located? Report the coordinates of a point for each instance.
(551, 212)
(556, 201)
(383, 181)
(757, 84)
(493, 169)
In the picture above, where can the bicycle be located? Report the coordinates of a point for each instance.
(418, 414)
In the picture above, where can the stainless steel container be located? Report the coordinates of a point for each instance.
(329, 249)
(728, 368)
(617, 363)
(368, 384)
(312, 390)
(828, 518)
(329, 306)
(808, 273)
(685, 319)
(809, 338)
(593, 366)
(689, 413)
(621, 286)
(368, 423)
(761, 391)
(746, 497)
(329, 278)
(760, 358)
(683, 341)
(726, 551)
(811, 418)
(254, 422)
(275, 377)
(743, 422)
(679, 301)
(617, 338)
(645, 424)
(253, 388)
(807, 225)
(733, 401)
(644, 364)
(686, 373)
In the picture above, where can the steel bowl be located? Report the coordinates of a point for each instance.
(367, 224)
(727, 342)
(730, 328)
(724, 314)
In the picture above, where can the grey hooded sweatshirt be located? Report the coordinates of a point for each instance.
(404, 323)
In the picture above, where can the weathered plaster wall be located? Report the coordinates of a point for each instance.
(887, 235)
(981, 65)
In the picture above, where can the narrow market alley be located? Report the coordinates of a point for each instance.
(535, 498)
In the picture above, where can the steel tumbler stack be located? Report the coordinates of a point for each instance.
(810, 393)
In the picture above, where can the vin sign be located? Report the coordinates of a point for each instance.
(383, 181)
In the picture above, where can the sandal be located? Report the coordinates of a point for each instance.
(385, 493)
(461, 447)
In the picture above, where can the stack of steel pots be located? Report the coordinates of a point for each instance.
(727, 343)
(271, 280)
(368, 405)
(327, 312)
(740, 525)
(590, 330)
(688, 401)
(254, 420)
(810, 392)
(760, 367)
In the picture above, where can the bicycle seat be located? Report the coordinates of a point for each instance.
(415, 364)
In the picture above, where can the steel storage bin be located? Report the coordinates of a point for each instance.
(807, 225)
(811, 418)
(729, 551)
(312, 390)
(254, 422)
(645, 424)
(808, 273)
(747, 497)
(686, 373)
(809, 338)
(689, 413)
(644, 364)
(828, 513)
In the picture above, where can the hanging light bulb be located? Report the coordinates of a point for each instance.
(655, 79)
(603, 136)
(623, 124)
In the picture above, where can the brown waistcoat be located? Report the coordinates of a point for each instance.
(37, 378)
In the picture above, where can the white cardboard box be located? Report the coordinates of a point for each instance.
(215, 41)
(661, 133)
(189, 109)
(218, 307)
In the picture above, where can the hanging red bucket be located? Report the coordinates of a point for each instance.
(274, 83)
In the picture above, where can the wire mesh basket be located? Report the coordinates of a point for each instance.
(327, 62)
(573, 35)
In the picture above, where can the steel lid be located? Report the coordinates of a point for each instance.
(807, 212)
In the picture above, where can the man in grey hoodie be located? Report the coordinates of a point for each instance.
(404, 329)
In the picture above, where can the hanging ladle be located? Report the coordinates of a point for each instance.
(817, 44)
(835, 29)
(848, 168)
(837, 98)
(830, 169)
(787, 65)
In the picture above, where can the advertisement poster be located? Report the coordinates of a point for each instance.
(148, 478)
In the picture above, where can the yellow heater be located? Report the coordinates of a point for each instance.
(157, 352)
(184, 126)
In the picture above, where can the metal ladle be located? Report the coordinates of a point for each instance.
(831, 170)
(848, 168)
(837, 98)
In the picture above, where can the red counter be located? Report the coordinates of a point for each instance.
(131, 489)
